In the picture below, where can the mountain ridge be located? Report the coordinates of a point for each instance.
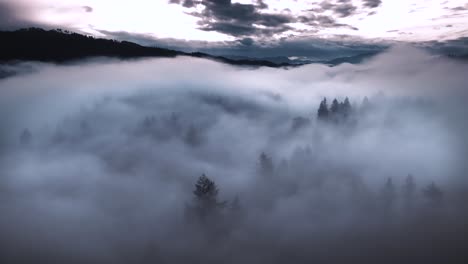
(36, 44)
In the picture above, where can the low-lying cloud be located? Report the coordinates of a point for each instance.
(98, 162)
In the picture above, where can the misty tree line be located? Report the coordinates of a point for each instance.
(207, 204)
(337, 111)
(170, 126)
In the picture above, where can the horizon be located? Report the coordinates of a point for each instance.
(247, 28)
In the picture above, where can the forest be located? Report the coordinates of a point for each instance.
(191, 161)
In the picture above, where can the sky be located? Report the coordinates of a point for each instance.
(247, 20)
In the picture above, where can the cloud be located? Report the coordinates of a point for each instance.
(185, 3)
(460, 8)
(23, 14)
(240, 19)
(342, 8)
(115, 149)
(312, 47)
(372, 3)
(87, 9)
(247, 41)
(345, 10)
(15, 16)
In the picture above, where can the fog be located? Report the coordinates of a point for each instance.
(99, 160)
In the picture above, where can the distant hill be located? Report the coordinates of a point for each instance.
(35, 44)
(276, 60)
(356, 59)
(460, 57)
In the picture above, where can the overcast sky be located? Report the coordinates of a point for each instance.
(219, 20)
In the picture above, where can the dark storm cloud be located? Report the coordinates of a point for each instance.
(329, 22)
(257, 48)
(345, 10)
(323, 21)
(248, 20)
(237, 19)
(372, 3)
(247, 41)
(341, 8)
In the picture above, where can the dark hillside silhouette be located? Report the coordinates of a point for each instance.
(59, 46)
(35, 44)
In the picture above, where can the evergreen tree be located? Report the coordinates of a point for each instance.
(365, 105)
(346, 107)
(388, 194)
(335, 107)
(322, 112)
(206, 198)
(409, 189)
(433, 193)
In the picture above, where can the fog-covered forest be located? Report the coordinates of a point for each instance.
(191, 161)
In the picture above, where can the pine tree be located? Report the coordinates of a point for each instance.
(206, 198)
(346, 108)
(388, 194)
(335, 107)
(433, 193)
(409, 188)
(365, 105)
(322, 112)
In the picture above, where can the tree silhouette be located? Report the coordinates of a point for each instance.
(206, 198)
(365, 105)
(433, 193)
(323, 112)
(346, 107)
(388, 195)
(335, 107)
(409, 190)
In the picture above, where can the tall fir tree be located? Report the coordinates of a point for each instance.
(323, 112)
(206, 198)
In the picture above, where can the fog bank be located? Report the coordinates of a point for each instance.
(99, 160)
